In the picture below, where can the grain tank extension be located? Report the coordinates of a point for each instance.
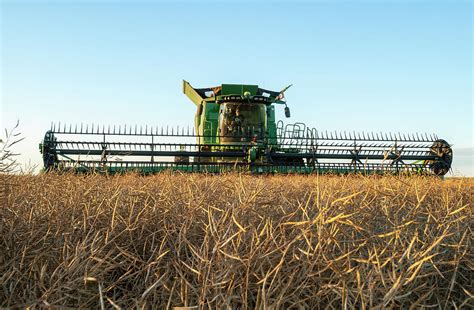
(235, 130)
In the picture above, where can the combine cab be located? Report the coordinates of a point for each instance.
(235, 130)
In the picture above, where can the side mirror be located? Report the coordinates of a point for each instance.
(287, 112)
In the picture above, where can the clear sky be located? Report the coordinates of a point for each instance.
(354, 65)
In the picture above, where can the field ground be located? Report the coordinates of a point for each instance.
(236, 241)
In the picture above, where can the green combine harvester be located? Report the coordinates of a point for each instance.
(235, 130)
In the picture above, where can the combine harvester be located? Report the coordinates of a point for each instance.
(235, 130)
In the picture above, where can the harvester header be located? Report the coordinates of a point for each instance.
(235, 129)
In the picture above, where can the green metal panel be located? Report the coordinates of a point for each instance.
(271, 125)
(209, 122)
(189, 91)
(238, 89)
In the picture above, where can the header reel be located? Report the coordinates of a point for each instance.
(298, 149)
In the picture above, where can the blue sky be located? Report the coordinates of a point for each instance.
(354, 65)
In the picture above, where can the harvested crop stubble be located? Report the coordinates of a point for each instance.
(236, 241)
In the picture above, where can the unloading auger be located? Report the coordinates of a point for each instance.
(235, 130)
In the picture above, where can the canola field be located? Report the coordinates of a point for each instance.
(236, 241)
